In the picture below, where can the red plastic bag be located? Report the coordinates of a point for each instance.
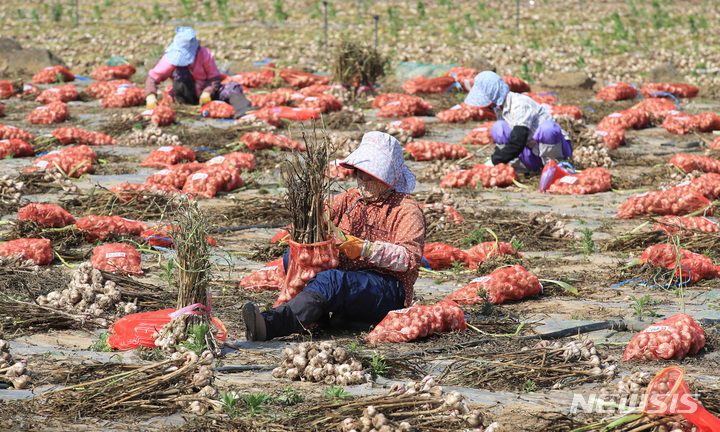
(442, 256)
(450, 211)
(212, 179)
(656, 108)
(241, 161)
(125, 96)
(422, 84)
(677, 90)
(464, 113)
(306, 260)
(690, 163)
(419, 321)
(482, 251)
(117, 258)
(682, 225)
(12, 132)
(263, 114)
(217, 109)
(107, 73)
(692, 266)
(105, 88)
(516, 85)
(554, 179)
(70, 135)
(669, 202)
(616, 92)
(504, 284)
(15, 148)
(569, 110)
(291, 113)
(270, 277)
(323, 103)
(175, 175)
(54, 112)
(414, 126)
(339, 172)
(282, 235)
(46, 215)
(429, 150)
(49, 75)
(613, 136)
(707, 185)
(260, 141)
(670, 339)
(301, 79)
(64, 93)
(37, 250)
(161, 235)
(7, 89)
(127, 191)
(103, 227)
(479, 136)
(400, 105)
(500, 175)
(73, 161)
(629, 118)
(160, 115)
(169, 155)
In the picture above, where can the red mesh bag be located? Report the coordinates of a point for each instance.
(103, 227)
(400, 105)
(241, 161)
(254, 78)
(670, 339)
(125, 96)
(169, 155)
(301, 79)
(15, 148)
(569, 110)
(64, 93)
(414, 126)
(541, 97)
(442, 256)
(212, 179)
(482, 251)
(419, 321)
(117, 258)
(591, 180)
(430, 150)
(12, 132)
(175, 175)
(706, 122)
(37, 250)
(629, 118)
(516, 85)
(463, 75)
(73, 161)
(70, 135)
(28, 90)
(127, 191)
(263, 114)
(315, 89)
(613, 136)
(715, 145)
(54, 112)
(136, 330)
(500, 175)
(107, 73)
(46, 215)
(669, 202)
(270, 277)
(616, 92)
(685, 225)
(707, 185)
(2, 110)
(450, 211)
(261, 141)
(7, 89)
(306, 260)
(421, 84)
(278, 97)
(105, 88)
(160, 115)
(479, 136)
(217, 109)
(280, 236)
(49, 75)
(321, 103)
(162, 236)
(692, 266)
(339, 172)
(677, 90)
(690, 163)
(167, 98)
(464, 113)
(504, 284)
(678, 123)
(656, 108)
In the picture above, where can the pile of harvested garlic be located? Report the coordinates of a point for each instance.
(323, 362)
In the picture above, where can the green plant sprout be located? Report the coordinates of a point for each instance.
(336, 393)
(641, 306)
(377, 363)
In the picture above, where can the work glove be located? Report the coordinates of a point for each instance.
(205, 98)
(355, 248)
(150, 101)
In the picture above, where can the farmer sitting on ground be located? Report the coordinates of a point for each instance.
(196, 78)
(379, 262)
(526, 135)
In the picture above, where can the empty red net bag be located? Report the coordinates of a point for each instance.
(37, 250)
(46, 215)
(504, 284)
(117, 258)
(419, 321)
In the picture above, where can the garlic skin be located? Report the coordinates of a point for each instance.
(315, 362)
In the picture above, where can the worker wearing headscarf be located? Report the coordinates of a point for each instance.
(379, 262)
(528, 136)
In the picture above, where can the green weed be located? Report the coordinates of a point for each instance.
(278, 11)
(254, 402)
(101, 345)
(421, 9)
(518, 245)
(336, 393)
(475, 237)
(149, 354)
(196, 338)
(229, 402)
(290, 396)
(168, 271)
(641, 306)
(377, 363)
(529, 386)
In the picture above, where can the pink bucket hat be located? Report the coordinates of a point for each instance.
(381, 156)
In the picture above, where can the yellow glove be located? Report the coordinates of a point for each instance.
(150, 101)
(355, 247)
(205, 98)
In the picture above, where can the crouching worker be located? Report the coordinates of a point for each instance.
(526, 135)
(196, 78)
(379, 262)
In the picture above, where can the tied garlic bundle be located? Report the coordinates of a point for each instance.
(152, 136)
(89, 295)
(15, 372)
(322, 362)
(584, 352)
(197, 403)
(10, 190)
(558, 227)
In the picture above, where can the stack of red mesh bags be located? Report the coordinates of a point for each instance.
(175, 175)
(64, 93)
(260, 141)
(264, 114)
(54, 112)
(414, 126)
(419, 321)
(430, 150)
(107, 73)
(301, 79)
(681, 123)
(270, 277)
(140, 191)
(707, 185)
(504, 284)
(46, 215)
(690, 266)
(70, 135)
(323, 103)
(105, 88)
(422, 84)
(670, 339)
(690, 163)
(125, 96)
(73, 161)
(12, 132)
(169, 155)
(401, 105)
(677, 90)
(212, 179)
(483, 251)
(37, 250)
(685, 225)
(15, 148)
(442, 256)
(670, 202)
(117, 258)
(616, 92)
(632, 118)
(160, 115)
(479, 136)
(253, 78)
(464, 113)
(656, 108)
(306, 261)
(612, 136)
(104, 227)
(500, 175)
(217, 109)
(49, 75)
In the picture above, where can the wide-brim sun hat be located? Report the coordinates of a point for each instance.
(487, 88)
(182, 50)
(381, 156)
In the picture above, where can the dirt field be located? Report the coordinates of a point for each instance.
(496, 365)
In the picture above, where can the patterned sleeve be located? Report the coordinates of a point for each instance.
(405, 253)
(523, 113)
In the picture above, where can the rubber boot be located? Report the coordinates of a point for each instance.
(294, 316)
(240, 103)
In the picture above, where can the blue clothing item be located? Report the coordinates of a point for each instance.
(549, 132)
(182, 50)
(487, 88)
(500, 132)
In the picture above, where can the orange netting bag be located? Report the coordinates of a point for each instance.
(15, 148)
(707, 185)
(50, 75)
(160, 115)
(302, 79)
(10, 132)
(38, 250)
(54, 112)
(482, 251)
(64, 93)
(430, 150)
(168, 155)
(70, 135)
(419, 321)
(105, 88)
(117, 258)
(685, 225)
(670, 339)
(270, 277)
(516, 85)
(670, 202)
(306, 261)
(677, 90)
(690, 163)
(627, 119)
(504, 284)
(46, 215)
(500, 175)
(421, 84)
(107, 73)
(464, 113)
(616, 92)
(217, 109)
(442, 256)
(480, 135)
